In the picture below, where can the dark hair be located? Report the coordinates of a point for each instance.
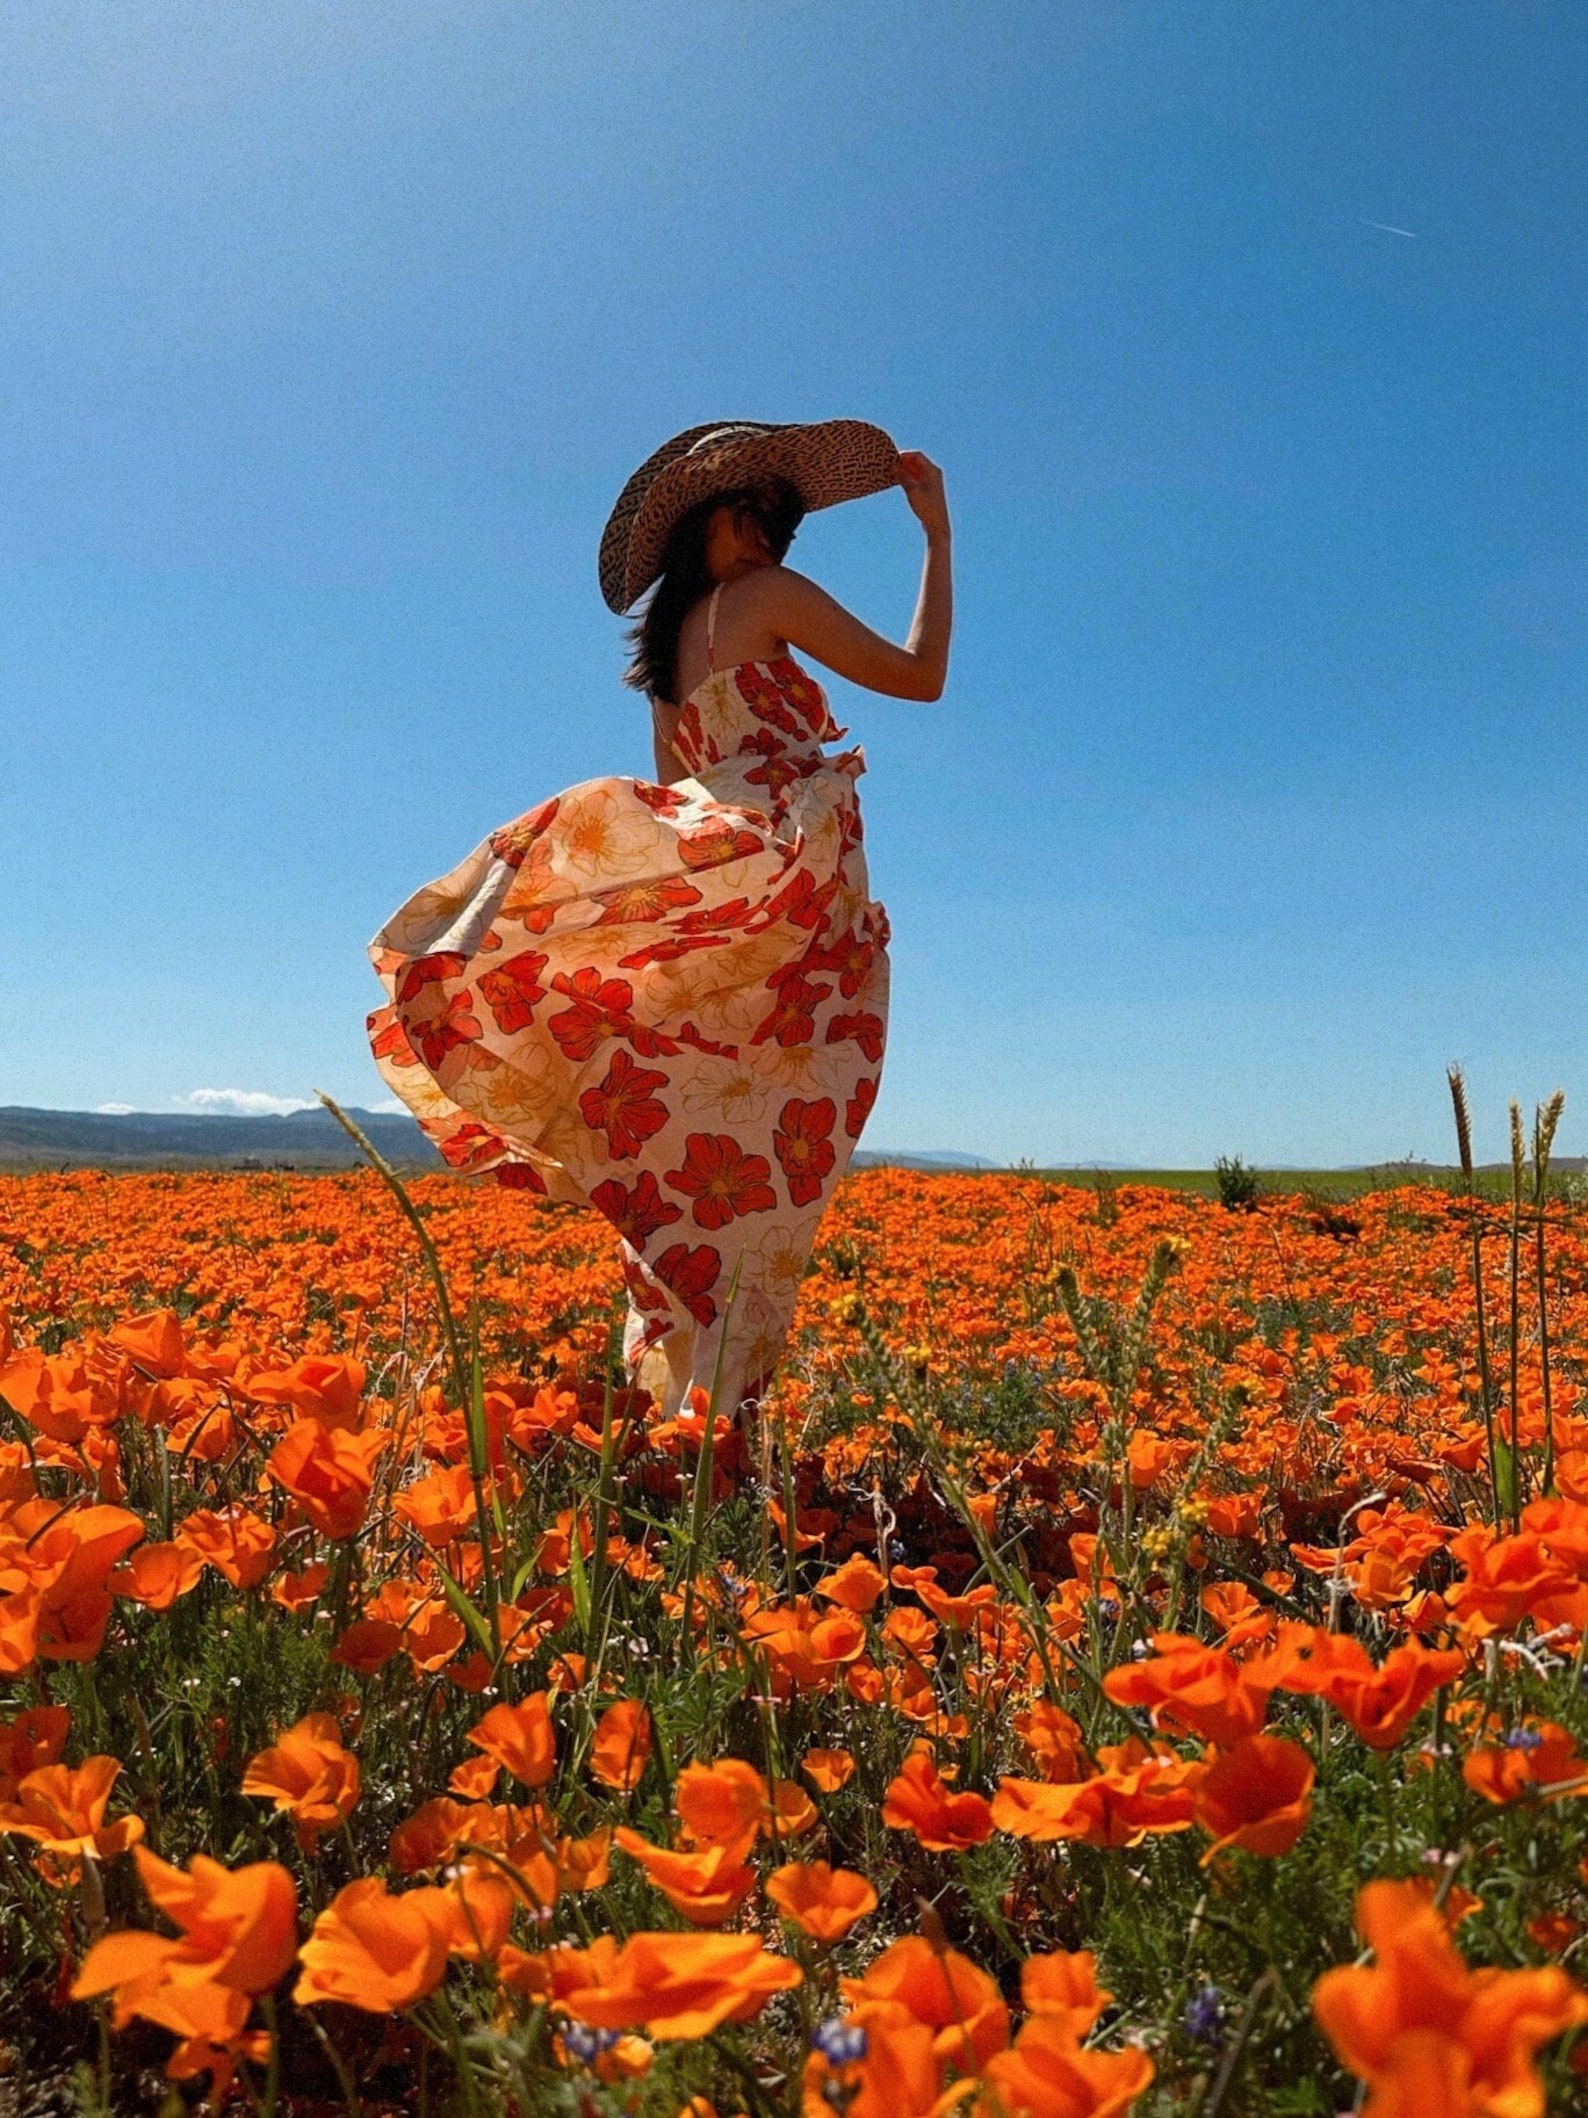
(776, 509)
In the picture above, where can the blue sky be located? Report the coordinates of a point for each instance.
(329, 329)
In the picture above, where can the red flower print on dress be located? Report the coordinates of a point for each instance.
(803, 901)
(793, 1019)
(668, 951)
(625, 1107)
(642, 1292)
(430, 970)
(858, 1108)
(759, 687)
(716, 918)
(600, 1010)
(636, 1211)
(716, 845)
(521, 1176)
(804, 1146)
(850, 957)
(864, 1029)
(388, 1040)
(691, 1274)
(643, 903)
(513, 841)
(511, 991)
(443, 1033)
(663, 801)
(722, 1179)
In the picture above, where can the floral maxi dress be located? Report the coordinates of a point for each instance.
(669, 1002)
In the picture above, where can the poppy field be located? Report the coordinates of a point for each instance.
(1132, 1661)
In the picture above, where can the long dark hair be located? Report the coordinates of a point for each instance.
(775, 508)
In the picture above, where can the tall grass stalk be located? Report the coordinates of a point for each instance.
(1513, 1463)
(1545, 1120)
(1458, 1098)
(467, 1380)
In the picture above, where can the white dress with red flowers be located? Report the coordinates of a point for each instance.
(670, 1002)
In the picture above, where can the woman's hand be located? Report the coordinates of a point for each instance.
(923, 488)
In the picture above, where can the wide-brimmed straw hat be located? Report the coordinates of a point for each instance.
(825, 462)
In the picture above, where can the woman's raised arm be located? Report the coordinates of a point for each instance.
(816, 623)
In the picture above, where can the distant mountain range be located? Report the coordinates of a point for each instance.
(146, 1139)
(304, 1139)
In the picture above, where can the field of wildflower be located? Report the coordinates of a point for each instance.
(1131, 1664)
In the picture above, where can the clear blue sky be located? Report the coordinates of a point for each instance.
(329, 329)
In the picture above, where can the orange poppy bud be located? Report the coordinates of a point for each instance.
(1064, 1983)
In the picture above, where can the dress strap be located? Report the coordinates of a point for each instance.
(711, 628)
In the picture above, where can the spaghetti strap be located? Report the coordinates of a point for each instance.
(711, 628)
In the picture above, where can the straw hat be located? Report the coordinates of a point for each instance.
(828, 461)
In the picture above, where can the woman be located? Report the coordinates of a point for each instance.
(670, 998)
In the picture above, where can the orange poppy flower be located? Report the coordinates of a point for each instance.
(878, 2062)
(69, 1561)
(376, 1951)
(1509, 1579)
(828, 1770)
(238, 1543)
(723, 1804)
(1536, 1756)
(856, 1584)
(1192, 1689)
(326, 1387)
(35, 1737)
(1138, 1793)
(1064, 1983)
(822, 1902)
(1055, 1742)
(239, 1929)
(440, 1506)
(1257, 1795)
(1428, 2034)
(1048, 2073)
(676, 1985)
(62, 1809)
(706, 1888)
(1382, 1703)
(329, 1473)
(521, 1738)
(944, 1822)
(156, 1574)
(953, 1997)
(622, 1746)
(308, 1774)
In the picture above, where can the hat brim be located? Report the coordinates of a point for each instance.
(827, 461)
